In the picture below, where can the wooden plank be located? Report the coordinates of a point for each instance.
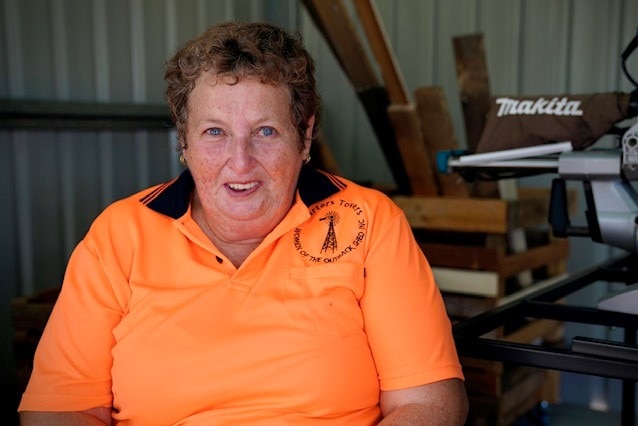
(455, 214)
(478, 281)
(378, 41)
(438, 133)
(489, 259)
(415, 156)
(483, 215)
(474, 85)
(333, 21)
(474, 92)
(468, 281)
(461, 256)
(508, 189)
(534, 258)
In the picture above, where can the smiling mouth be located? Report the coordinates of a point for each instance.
(242, 186)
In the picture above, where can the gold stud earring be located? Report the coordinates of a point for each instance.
(307, 160)
(182, 160)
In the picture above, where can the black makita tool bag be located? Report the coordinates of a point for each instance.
(518, 122)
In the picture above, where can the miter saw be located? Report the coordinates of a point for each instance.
(608, 175)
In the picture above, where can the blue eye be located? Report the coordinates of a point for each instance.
(267, 131)
(214, 131)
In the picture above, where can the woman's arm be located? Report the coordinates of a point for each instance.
(98, 416)
(439, 403)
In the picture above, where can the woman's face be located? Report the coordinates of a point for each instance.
(243, 152)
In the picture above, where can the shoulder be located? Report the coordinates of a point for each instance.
(130, 205)
(374, 200)
(127, 217)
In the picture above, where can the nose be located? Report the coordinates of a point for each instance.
(240, 152)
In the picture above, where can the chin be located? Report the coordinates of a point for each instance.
(247, 214)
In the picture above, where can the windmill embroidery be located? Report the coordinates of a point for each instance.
(331, 238)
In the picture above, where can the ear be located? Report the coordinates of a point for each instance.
(308, 139)
(183, 145)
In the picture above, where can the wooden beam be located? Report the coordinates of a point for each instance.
(533, 258)
(438, 133)
(333, 21)
(380, 46)
(474, 87)
(415, 155)
(474, 92)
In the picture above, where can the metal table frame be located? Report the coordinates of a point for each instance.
(618, 360)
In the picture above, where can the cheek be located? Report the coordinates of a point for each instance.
(200, 154)
(203, 168)
(287, 163)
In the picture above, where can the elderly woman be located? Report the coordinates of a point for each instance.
(252, 289)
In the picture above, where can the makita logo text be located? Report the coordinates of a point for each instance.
(555, 106)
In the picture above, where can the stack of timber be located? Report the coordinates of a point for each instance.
(486, 241)
(466, 242)
(395, 118)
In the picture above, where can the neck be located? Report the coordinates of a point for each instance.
(235, 249)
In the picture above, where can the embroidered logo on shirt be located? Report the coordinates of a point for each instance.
(331, 238)
(343, 230)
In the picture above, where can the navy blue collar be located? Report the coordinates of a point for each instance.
(172, 199)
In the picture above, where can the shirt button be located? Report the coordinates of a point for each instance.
(219, 259)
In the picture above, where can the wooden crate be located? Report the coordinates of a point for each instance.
(30, 314)
(466, 239)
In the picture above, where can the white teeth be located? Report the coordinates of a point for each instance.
(242, 186)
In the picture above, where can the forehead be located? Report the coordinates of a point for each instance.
(211, 79)
(214, 90)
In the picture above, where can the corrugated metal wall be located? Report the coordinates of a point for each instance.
(55, 182)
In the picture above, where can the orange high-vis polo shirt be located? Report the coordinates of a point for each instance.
(335, 304)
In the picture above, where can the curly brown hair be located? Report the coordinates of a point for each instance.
(239, 50)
